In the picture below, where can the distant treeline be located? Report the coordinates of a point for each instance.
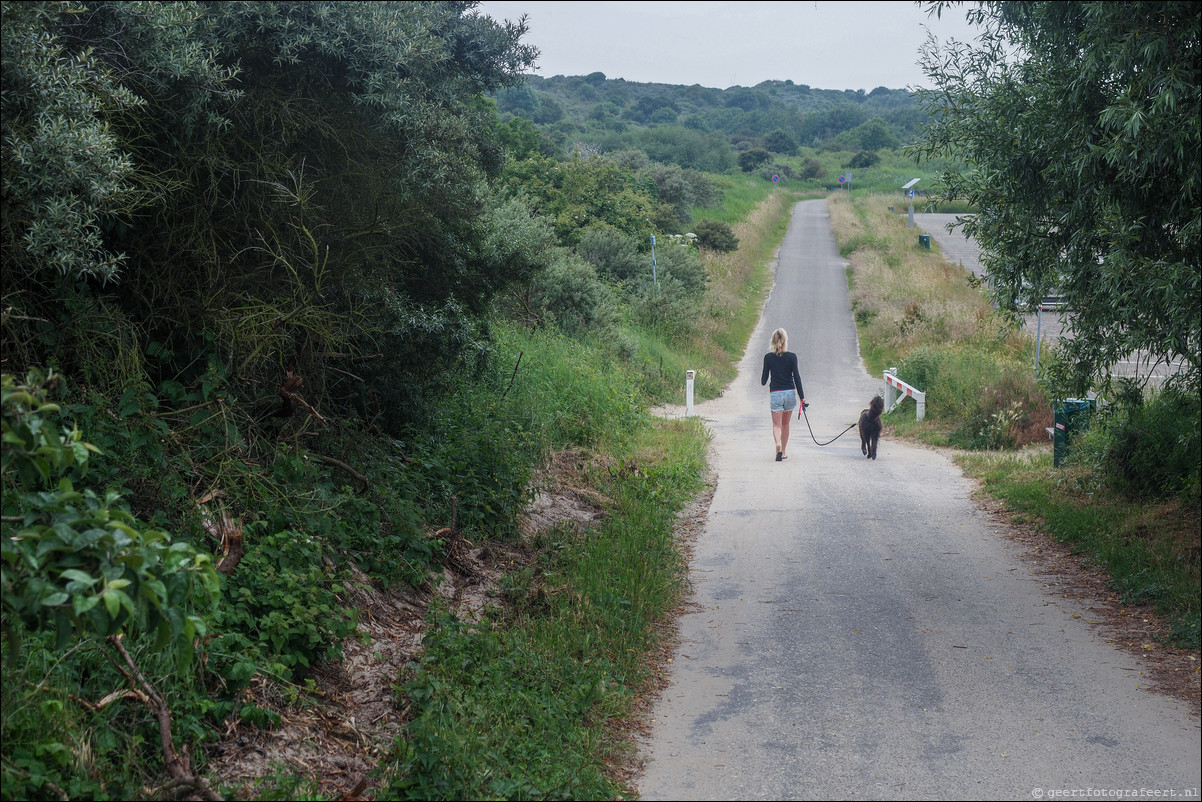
(704, 128)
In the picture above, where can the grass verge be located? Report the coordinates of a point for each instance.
(516, 705)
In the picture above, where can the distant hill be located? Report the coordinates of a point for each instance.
(592, 111)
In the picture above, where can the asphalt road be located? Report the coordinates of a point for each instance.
(860, 630)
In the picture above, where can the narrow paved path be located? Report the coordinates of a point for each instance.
(859, 630)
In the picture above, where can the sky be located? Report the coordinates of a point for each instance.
(825, 44)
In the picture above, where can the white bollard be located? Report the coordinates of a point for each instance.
(688, 393)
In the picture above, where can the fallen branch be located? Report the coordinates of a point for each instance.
(178, 767)
(513, 376)
(231, 551)
(224, 529)
(109, 699)
(340, 464)
(296, 398)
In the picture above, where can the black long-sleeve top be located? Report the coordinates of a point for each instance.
(782, 369)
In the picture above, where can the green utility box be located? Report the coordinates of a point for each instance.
(925, 241)
(1071, 418)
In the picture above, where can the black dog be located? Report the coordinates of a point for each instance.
(870, 427)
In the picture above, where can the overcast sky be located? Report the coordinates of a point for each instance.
(823, 43)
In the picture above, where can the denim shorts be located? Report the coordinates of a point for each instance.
(782, 400)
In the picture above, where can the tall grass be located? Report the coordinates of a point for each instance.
(743, 193)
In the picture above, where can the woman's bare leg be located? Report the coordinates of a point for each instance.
(779, 419)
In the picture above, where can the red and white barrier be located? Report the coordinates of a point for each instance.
(895, 386)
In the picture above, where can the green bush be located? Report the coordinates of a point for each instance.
(989, 400)
(615, 256)
(78, 561)
(716, 235)
(750, 159)
(667, 309)
(1155, 448)
(284, 599)
(474, 465)
(863, 159)
(570, 294)
(683, 264)
(78, 567)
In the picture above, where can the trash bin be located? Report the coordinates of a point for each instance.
(925, 241)
(1071, 418)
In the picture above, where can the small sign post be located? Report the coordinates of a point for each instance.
(909, 187)
(688, 393)
(653, 276)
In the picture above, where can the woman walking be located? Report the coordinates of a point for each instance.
(780, 365)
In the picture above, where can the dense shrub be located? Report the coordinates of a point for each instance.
(865, 158)
(1155, 447)
(716, 235)
(753, 158)
(615, 256)
(284, 600)
(569, 294)
(683, 264)
(813, 169)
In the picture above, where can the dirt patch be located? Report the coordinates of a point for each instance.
(337, 731)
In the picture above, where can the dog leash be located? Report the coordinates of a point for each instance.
(815, 439)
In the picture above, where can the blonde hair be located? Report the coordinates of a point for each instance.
(780, 341)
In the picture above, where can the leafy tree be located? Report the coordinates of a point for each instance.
(874, 134)
(328, 201)
(865, 158)
(686, 147)
(1077, 123)
(753, 158)
(520, 138)
(66, 172)
(780, 141)
(582, 193)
